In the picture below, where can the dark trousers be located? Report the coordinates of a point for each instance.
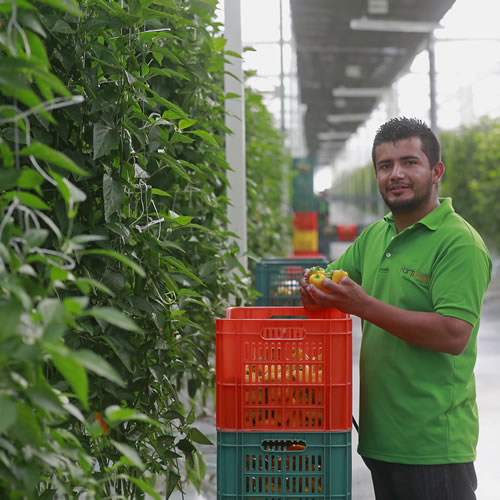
(393, 481)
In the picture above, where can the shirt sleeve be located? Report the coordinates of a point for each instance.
(459, 281)
(350, 261)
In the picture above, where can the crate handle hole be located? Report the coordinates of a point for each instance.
(283, 445)
(283, 333)
(285, 316)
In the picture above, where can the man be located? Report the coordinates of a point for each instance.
(417, 280)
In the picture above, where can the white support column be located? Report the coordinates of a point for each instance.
(432, 85)
(235, 121)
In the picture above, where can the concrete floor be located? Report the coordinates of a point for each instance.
(487, 377)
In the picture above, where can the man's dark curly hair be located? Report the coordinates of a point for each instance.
(404, 128)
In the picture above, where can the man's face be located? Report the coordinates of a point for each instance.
(405, 179)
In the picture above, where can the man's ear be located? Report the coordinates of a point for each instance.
(437, 172)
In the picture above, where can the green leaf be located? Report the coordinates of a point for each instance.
(94, 363)
(172, 481)
(204, 135)
(182, 220)
(72, 370)
(122, 349)
(10, 312)
(169, 73)
(162, 101)
(44, 397)
(176, 263)
(27, 199)
(177, 167)
(71, 194)
(191, 416)
(86, 284)
(65, 5)
(160, 192)
(8, 415)
(31, 100)
(116, 414)
(219, 43)
(113, 196)
(30, 179)
(105, 139)
(187, 292)
(43, 152)
(147, 488)
(74, 305)
(182, 138)
(114, 317)
(115, 255)
(8, 178)
(233, 54)
(129, 453)
(51, 81)
(37, 49)
(198, 437)
(56, 273)
(186, 123)
(27, 428)
(186, 446)
(6, 154)
(35, 237)
(61, 26)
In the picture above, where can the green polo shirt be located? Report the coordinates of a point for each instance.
(418, 406)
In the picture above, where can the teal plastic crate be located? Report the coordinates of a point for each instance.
(284, 465)
(277, 279)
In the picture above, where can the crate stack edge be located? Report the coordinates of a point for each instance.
(277, 279)
(284, 403)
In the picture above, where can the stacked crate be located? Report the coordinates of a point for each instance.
(305, 233)
(277, 279)
(284, 404)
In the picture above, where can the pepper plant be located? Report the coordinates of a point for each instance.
(114, 260)
(269, 217)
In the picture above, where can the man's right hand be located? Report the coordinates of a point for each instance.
(307, 301)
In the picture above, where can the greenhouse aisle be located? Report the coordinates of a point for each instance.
(487, 376)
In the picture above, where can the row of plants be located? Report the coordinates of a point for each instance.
(114, 259)
(269, 220)
(472, 178)
(359, 186)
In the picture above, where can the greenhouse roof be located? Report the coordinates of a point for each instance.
(349, 52)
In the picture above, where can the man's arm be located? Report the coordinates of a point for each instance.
(429, 330)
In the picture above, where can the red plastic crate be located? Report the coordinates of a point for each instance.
(285, 369)
(306, 255)
(347, 232)
(306, 221)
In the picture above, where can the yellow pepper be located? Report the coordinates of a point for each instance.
(317, 275)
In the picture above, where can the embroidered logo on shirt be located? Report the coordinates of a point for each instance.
(412, 273)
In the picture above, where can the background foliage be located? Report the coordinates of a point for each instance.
(269, 223)
(114, 261)
(472, 157)
(472, 178)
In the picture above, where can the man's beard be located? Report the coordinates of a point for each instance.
(404, 206)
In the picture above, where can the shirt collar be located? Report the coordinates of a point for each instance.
(433, 219)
